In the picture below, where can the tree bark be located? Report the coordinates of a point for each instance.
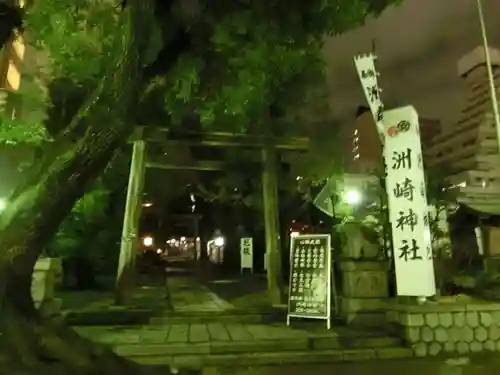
(28, 344)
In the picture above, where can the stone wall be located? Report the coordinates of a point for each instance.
(364, 293)
(454, 328)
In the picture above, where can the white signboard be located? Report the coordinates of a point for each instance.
(368, 75)
(246, 253)
(408, 208)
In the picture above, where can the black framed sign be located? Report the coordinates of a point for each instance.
(310, 277)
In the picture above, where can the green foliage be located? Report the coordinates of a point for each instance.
(77, 231)
(246, 56)
(248, 62)
(93, 228)
(74, 34)
(18, 131)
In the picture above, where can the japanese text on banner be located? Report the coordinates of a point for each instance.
(365, 65)
(408, 208)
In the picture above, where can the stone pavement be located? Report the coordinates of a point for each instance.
(232, 344)
(187, 294)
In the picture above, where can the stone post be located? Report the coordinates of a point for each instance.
(364, 292)
(46, 274)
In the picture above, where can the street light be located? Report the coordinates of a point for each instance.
(219, 241)
(352, 197)
(148, 241)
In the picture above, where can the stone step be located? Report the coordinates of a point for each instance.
(275, 358)
(255, 346)
(202, 318)
(146, 316)
(109, 317)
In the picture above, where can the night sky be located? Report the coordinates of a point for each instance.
(418, 44)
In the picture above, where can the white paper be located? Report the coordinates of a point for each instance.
(408, 209)
(246, 252)
(368, 75)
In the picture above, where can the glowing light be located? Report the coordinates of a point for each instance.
(147, 204)
(3, 204)
(352, 197)
(159, 251)
(294, 234)
(219, 241)
(148, 241)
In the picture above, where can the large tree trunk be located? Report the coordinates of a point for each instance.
(29, 345)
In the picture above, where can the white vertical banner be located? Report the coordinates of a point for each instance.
(368, 75)
(246, 253)
(408, 209)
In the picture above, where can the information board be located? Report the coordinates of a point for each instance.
(310, 277)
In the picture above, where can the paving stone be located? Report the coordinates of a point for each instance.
(446, 319)
(467, 334)
(475, 347)
(238, 332)
(198, 333)
(495, 316)
(481, 334)
(432, 320)
(472, 318)
(141, 350)
(427, 334)
(260, 332)
(485, 319)
(420, 349)
(449, 347)
(218, 332)
(489, 346)
(412, 334)
(153, 336)
(459, 319)
(494, 332)
(441, 334)
(462, 348)
(455, 334)
(435, 348)
(178, 333)
(413, 320)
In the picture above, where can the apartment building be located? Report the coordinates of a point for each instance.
(467, 150)
(363, 149)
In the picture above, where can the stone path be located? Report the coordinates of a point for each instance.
(188, 295)
(195, 345)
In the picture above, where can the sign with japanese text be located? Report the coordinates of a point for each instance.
(408, 209)
(246, 253)
(368, 75)
(310, 281)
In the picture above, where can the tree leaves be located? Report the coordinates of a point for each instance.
(15, 131)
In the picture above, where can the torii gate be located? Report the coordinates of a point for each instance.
(140, 161)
